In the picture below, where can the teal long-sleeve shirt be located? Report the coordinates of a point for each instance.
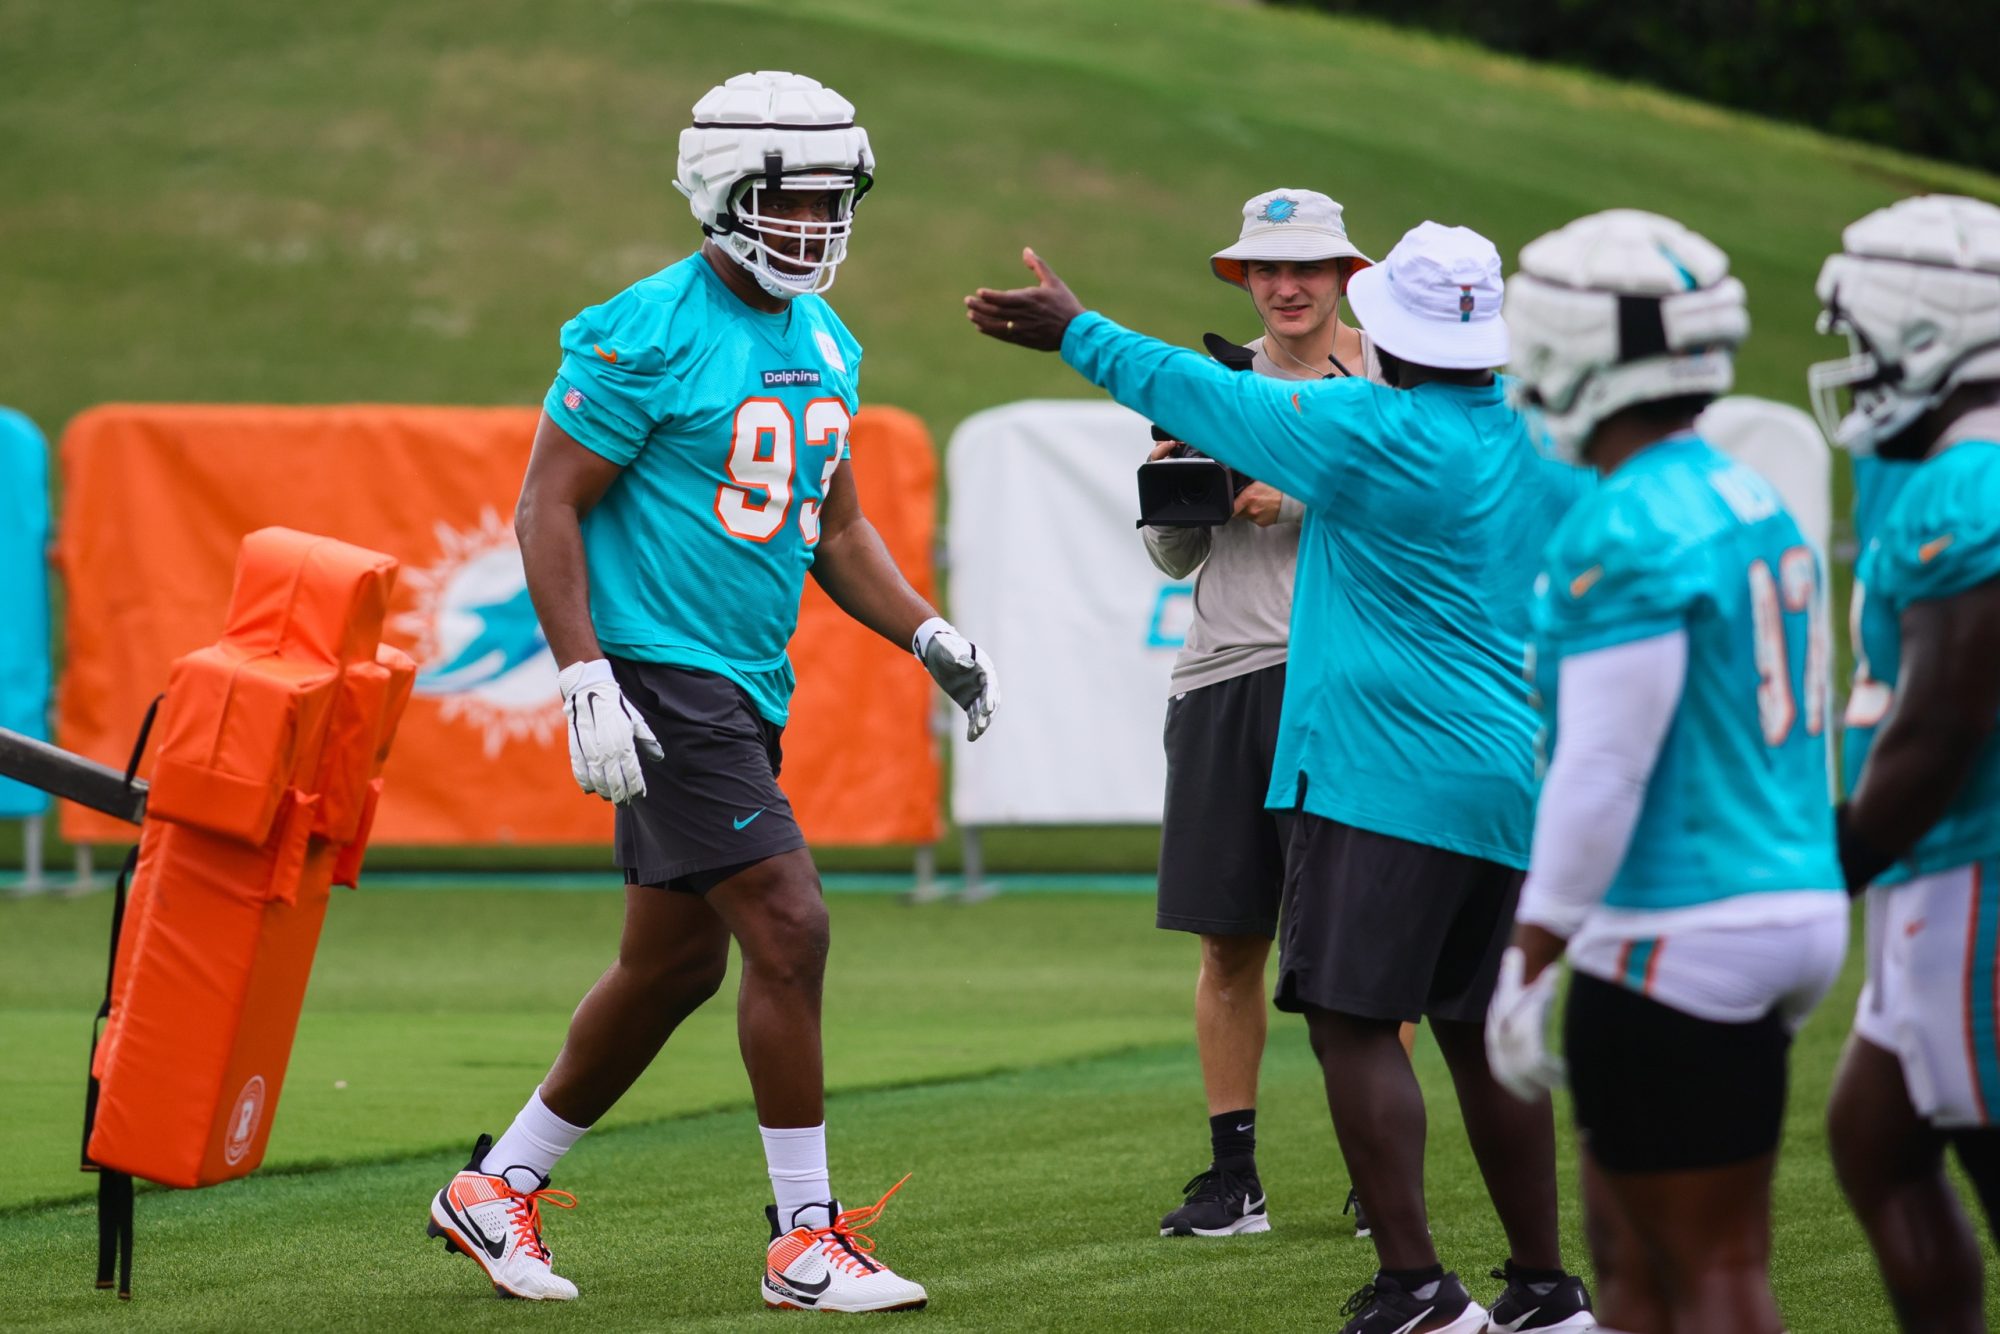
(1406, 706)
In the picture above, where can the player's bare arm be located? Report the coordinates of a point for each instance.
(606, 735)
(564, 480)
(1947, 699)
(856, 570)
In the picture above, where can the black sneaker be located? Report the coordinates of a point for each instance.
(1562, 1304)
(1383, 1306)
(1353, 1206)
(1220, 1203)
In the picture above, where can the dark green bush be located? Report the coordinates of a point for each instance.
(1919, 75)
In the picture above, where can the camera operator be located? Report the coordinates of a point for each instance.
(1222, 854)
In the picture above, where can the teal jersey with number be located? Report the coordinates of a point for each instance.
(1681, 537)
(1877, 483)
(728, 423)
(1940, 538)
(1405, 713)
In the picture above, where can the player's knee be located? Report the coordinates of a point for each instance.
(681, 979)
(1861, 1160)
(1234, 965)
(702, 980)
(788, 943)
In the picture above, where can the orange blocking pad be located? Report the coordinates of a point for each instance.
(271, 745)
(156, 498)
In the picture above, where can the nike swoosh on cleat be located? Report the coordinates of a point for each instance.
(1512, 1325)
(745, 821)
(1419, 1319)
(496, 1249)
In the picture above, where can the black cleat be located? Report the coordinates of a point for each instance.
(1561, 1304)
(1353, 1206)
(1220, 1203)
(1384, 1306)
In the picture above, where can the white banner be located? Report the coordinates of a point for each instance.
(1049, 575)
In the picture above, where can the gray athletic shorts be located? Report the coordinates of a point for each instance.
(1222, 855)
(1383, 928)
(712, 806)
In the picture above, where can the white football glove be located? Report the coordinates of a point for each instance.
(1517, 1030)
(606, 734)
(954, 663)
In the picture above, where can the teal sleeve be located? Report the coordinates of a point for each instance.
(613, 388)
(1615, 577)
(1945, 539)
(1297, 436)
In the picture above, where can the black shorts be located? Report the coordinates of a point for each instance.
(1222, 855)
(1383, 928)
(712, 806)
(1657, 1090)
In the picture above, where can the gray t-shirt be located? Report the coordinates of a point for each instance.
(1243, 593)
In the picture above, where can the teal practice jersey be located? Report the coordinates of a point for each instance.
(1940, 538)
(1427, 509)
(1681, 537)
(729, 423)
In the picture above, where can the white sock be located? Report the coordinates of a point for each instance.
(797, 1162)
(532, 1146)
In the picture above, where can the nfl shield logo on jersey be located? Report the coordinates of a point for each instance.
(830, 350)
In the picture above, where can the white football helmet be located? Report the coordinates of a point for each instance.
(1916, 289)
(1618, 308)
(774, 131)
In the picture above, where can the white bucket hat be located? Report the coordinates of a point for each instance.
(1435, 301)
(1289, 224)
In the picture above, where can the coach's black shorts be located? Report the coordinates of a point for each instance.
(712, 806)
(1657, 1090)
(1383, 928)
(1222, 855)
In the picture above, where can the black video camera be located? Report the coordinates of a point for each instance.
(1187, 488)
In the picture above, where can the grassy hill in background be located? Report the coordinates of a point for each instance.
(380, 201)
(387, 202)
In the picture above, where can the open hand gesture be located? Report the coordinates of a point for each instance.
(1034, 317)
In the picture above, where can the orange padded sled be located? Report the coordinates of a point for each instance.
(271, 743)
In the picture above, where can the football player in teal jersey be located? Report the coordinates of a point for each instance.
(1405, 741)
(1916, 288)
(1683, 851)
(691, 468)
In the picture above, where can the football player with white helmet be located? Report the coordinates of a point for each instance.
(690, 469)
(1916, 290)
(1683, 853)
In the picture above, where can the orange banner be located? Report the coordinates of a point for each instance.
(156, 500)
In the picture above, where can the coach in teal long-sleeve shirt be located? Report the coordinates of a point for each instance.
(1408, 738)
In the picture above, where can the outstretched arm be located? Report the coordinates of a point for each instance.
(1291, 435)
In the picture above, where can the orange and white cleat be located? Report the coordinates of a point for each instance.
(483, 1216)
(833, 1268)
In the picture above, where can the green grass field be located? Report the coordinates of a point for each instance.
(392, 202)
(1030, 1059)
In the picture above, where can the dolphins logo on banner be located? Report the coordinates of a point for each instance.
(478, 644)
